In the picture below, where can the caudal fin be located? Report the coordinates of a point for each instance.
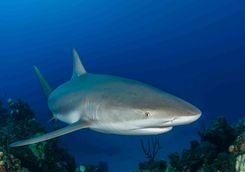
(43, 82)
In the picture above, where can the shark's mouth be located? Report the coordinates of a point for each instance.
(151, 130)
(174, 121)
(141, 128)
(155, 124)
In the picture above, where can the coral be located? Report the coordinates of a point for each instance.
(174, 159)
(214, 152)
(81, 168)
(153, 165)
(240, 127)
(18, 122)
(220, 133)
(38, 150)
(153, 147)
(223, 162)
(101, 167)
(238, 150)
(240, 163)
(150, 150)
(191, 159)
(8, 163)
(211, 154)
(170, 169)
(238, 146)
(221, 149)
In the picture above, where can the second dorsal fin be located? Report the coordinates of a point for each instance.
(78, 68)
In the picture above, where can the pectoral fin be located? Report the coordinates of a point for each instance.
(70, 128)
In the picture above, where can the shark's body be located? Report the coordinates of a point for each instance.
(111, 104)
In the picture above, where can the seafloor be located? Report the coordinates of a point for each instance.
(221, 148)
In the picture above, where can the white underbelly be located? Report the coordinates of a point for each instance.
(126, 128)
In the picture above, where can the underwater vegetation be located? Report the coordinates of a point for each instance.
(221, 149)
(18, 122)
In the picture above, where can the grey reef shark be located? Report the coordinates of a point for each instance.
(111, 104)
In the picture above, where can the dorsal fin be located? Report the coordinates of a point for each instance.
(78, 68)
(43, 82)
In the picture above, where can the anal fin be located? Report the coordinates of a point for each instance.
(70, 128)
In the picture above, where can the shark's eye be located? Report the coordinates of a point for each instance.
(147, 114)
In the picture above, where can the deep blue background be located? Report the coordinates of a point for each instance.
(193, 49)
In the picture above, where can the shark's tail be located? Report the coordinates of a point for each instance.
(43, 82)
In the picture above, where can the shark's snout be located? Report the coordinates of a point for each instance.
(191, 116)
(193, 111)
(186, 119)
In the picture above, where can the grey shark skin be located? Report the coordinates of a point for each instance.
(111, 104)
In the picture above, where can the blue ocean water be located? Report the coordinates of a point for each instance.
(192, 49)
